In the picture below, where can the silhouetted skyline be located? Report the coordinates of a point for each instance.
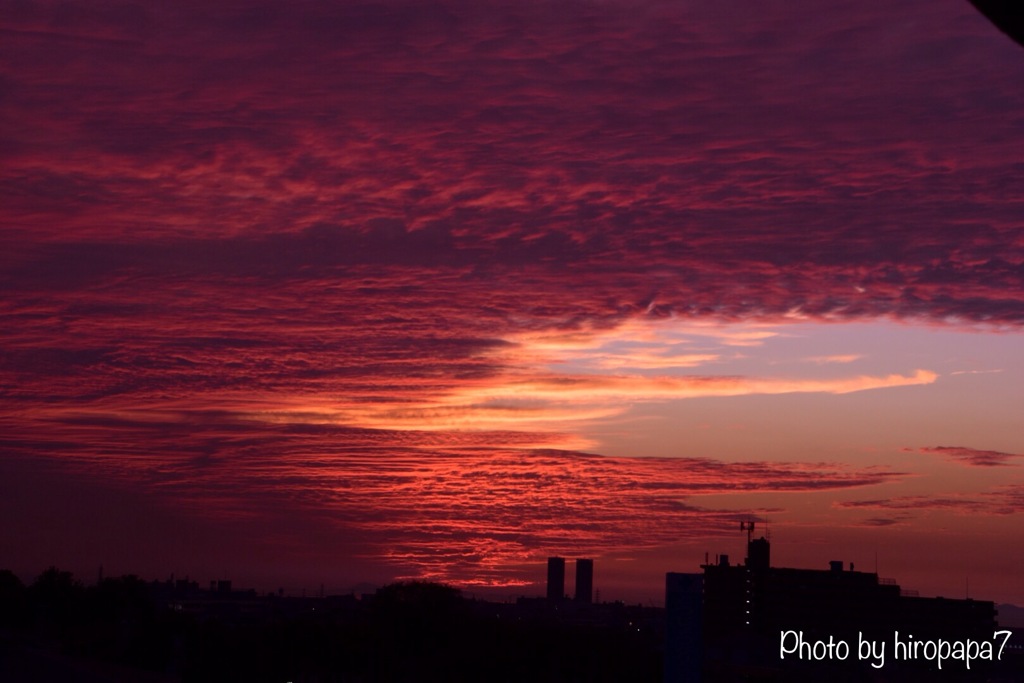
(732, 620)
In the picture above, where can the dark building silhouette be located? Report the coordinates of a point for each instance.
(758, 554)
(684, 608)
(735, 626)
(585, 581)
(556, 578)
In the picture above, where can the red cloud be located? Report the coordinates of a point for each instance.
(657, 152)
(449, 506)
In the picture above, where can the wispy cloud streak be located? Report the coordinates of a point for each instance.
(972, 457)
(450, 506)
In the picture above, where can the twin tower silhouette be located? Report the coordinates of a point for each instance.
(584, 580)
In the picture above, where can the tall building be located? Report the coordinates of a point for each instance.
(735, 617)
(556, 578)
(684, 606)
(585, 581)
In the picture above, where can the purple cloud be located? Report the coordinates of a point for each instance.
(971, 456)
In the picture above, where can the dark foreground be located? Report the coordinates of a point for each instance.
(126, 629)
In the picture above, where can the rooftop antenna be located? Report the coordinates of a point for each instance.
(749, 528)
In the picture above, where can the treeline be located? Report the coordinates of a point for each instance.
(116, 620)
(407, 632)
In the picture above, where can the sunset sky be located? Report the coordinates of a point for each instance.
(341, 292)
